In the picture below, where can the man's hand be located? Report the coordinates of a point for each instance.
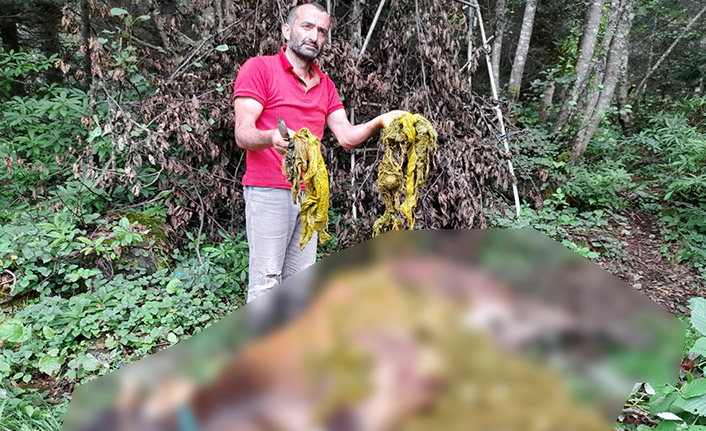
(387, 118)
(279, 143)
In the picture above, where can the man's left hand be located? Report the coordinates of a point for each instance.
(387, 118)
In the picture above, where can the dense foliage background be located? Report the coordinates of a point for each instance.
(121, 212)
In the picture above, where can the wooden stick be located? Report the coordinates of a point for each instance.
(370, 31)
(355, 210)
(471, 24)
(328, 11)
(503, 134)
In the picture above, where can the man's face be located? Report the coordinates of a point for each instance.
(307, 35)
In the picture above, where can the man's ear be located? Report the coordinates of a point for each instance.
(286, 31)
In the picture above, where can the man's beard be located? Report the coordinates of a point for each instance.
(301, 51)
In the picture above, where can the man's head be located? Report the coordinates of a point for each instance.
(306, 30)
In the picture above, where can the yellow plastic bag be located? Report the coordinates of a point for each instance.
(411, 136)
(304, 163)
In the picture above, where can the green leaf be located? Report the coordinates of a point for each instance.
(222, 48)
(116, 11)
(13, 331)
(49, 333)
(50, 364)
(146, 17)
(172, 338)
(96, 132)
(173, 285)
(694, 388)
(89, 363)
(85, 240)
(693, 405)
(666, 397)
(700, 346)
(667, 426)
(698, 314)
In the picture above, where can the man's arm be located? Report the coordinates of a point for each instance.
(247, 136)
(350, 136)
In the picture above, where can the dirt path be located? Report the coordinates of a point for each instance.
(666, 282)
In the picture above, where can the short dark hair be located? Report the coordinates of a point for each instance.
(293, 11)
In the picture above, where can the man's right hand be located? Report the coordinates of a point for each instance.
(279, 143)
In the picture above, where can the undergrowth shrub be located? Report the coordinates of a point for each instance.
(681, 406)
(26, 409)
(38, 129)
(675, 180)
(124, 317)
(566, 224)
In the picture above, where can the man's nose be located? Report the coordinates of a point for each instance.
(313, 35)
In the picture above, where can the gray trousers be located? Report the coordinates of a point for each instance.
(273, 228)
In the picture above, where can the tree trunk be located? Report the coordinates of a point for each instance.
(588, 46)
(8, 29)
(626, 119)
(471, 15)
(547, 97)
(164, 14)
(218, 6)
(684, 32)
(85, 37)
(11, 42)
(498, 41)
(48, 17)
(518, 65)
(356, 28)
(588, 97)
(612, 72)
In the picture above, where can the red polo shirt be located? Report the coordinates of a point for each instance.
(271, 81)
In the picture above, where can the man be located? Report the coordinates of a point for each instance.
(287, 85)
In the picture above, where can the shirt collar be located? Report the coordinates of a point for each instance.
(287, 65)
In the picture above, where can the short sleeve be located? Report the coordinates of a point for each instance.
(334, 100)
(252, 81)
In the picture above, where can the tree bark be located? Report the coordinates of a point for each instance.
(8, 28)
(498, 41)
(612, 72)
(547, 98)
(588, 97)
(85, 37)
(586, 50)
(164, 13)
(518, 65)
(684, 32)
(11, 42)
(218, 6)
(48, 17)
(357, 28)
(471, 15)
(626, 119)
(160, 21)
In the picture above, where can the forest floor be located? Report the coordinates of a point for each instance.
(645, 267)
